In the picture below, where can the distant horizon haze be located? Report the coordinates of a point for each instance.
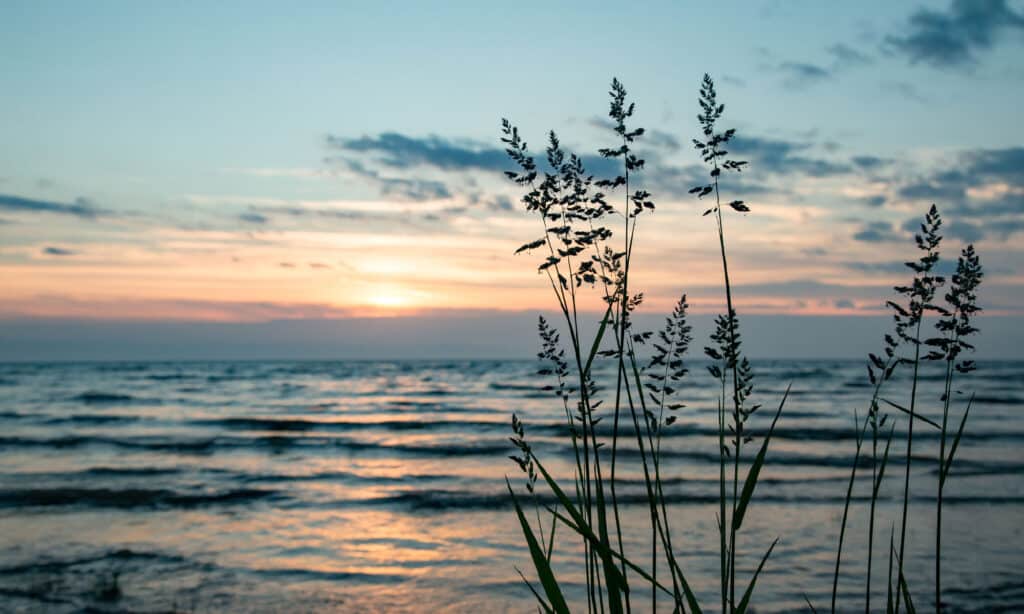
(446, 335)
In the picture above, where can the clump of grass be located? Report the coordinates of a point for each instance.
(582, 253)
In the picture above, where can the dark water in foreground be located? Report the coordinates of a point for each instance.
(378, 486)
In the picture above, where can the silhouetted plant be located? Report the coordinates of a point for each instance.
(908, 318)
(580, 253)
(728, 355)
(956, 326)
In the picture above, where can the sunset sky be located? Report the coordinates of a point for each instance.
(238, 163)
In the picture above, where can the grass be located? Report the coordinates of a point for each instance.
(581, 252)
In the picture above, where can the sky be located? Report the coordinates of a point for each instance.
(222, 172)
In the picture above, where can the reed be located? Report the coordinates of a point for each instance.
(582, 253)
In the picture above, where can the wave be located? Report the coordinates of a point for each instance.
(465, 447)
(210, 445)
(439, 500)
(126, 498)
(998, 400)
(328, 576)
(301, 425)
(93, 396)
(171, 377)
(57, 565)
(91, 419)
(347, 476)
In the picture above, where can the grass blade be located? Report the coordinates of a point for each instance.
(903, 589)
(885, 461)
(597, 340)
(551, 539)
(906, 595)
(889, 601)
(584, 528)
(755, 469)
(579, 525)
(628, 563)
(750, 589)
(540, 600)
(956, 442)
(846, 506)
(915, 414)
(540, 562)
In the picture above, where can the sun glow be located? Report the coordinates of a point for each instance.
(392, 298)
(388, 300)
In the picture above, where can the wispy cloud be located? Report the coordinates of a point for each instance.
(80, 207)
(785, 157)
(397, 151)
(845, 56)
(253, 218)
(953, 38)
(401, 151)
(58, 251)
(982, 184)
(803, 73)
(877, 232)
(408, 188)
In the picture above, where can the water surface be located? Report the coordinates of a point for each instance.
(379, 486)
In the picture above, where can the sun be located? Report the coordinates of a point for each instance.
(389, 300)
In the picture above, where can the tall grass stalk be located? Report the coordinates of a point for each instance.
(920, 296)
(711, 146)
(954, 327)
(846, 507)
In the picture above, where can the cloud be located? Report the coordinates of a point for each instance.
(80, 207)
(784, 157)
(981, 184)
(652, 137)
(338, 214)
(873, 201)
(409, 188)
(953, 38)
(58, 251)
(501, 203)
(802, 73)
(401, 151)
(253, 218)
(894, 267)
(661, 140)
(877, 232)
(967, 232)
(847, 57)
(904, 90)
(869, 163)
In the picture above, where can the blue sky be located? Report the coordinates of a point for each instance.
(251, 161)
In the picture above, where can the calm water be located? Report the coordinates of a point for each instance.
(378, 486)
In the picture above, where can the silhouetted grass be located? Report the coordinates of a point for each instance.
(582, 253)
